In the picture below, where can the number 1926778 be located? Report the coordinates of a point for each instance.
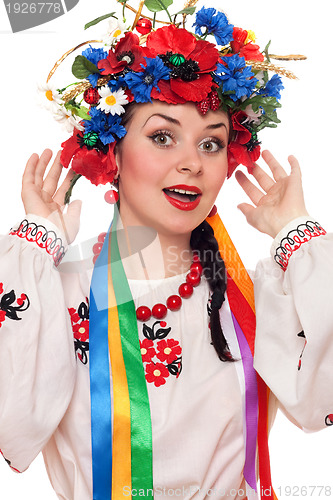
(34, 8)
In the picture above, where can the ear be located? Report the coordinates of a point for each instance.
(117, 157)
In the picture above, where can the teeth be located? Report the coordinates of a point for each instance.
(182, 191)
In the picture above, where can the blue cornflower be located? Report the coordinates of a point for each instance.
(236, 77)
(115, 85)
(94, 55)
(142, 83)
(216, 23)
(107, 126)
(273, 87)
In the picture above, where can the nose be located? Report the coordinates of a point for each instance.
(190, 161)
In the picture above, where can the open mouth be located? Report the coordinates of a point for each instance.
(183, 197)
(181, 194)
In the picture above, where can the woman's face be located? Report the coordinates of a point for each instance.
(172, 163)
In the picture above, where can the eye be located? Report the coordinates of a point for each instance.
(162, 138)
(212, 145)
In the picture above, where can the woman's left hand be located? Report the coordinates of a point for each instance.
(282, 199)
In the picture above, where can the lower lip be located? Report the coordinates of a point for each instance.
(183, 205)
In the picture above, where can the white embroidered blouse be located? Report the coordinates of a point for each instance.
(196, 400)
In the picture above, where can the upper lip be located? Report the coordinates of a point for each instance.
(184, 187)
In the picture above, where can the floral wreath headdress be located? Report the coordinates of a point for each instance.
(171, 64)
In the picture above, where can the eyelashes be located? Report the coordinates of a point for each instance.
(165, 138)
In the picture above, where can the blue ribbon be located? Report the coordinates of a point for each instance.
(100, 394)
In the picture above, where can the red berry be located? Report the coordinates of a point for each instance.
(97, 248)
(193, 278)
(203, 106)
(159, 311)
(185, 290)
(101, 237)
(174, 302)
(214, 100)
(143, 313)
(111, 197)
(91, 96)
(144, 26)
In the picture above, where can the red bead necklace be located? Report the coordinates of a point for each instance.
(174, 302)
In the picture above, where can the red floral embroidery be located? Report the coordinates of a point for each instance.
(2, 317)
(156, 373)
(80, 327)
(169, 350)
(147, 350)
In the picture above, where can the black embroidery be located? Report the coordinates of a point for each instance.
(80, 326)
(329, 419)
(294, 239)
(151, 334)
(302, 335)
(10, 305)
(38, 234)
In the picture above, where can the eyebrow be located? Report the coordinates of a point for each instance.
(213, 126)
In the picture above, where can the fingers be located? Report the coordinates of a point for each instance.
(51, 181)
(43, 162)
(59, 197)
(274, 166)
(263, 179)
(249, 188)
(29, 171)
(295, 167)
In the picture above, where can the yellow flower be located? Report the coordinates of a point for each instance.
(251, 37)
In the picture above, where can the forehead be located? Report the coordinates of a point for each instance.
(187, 115)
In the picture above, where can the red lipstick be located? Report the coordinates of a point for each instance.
(185, 205)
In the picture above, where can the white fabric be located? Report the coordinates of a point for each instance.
(197, 418)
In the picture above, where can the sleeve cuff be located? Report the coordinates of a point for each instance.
(292, 237)
(43, 233)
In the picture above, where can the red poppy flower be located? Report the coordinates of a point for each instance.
(127, 52)
(156, 373)
(169, 350)
(241, 150)
(249, 50)
(96, 166)
(147, 350)
(2, 316)
(190, 79)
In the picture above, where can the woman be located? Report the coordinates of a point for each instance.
(180, 149)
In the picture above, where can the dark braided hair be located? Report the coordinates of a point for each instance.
(204, 243)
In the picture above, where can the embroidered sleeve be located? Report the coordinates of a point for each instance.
(292, 237)
(42, 233)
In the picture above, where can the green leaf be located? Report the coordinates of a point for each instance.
(158, 5)
(82, 67)
(188, 11)
(78, 110)
(99, 19)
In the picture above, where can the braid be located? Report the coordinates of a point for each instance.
(204, 242)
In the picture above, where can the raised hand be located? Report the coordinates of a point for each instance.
(42, 196)
(281, 200)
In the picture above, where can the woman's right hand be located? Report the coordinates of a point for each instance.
(41, 195)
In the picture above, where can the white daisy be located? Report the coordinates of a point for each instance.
(68, 120)
(115, 31)
(50, 98)
(111, 102)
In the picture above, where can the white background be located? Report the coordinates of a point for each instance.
(295, 26)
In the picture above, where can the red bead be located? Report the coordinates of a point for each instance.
(185, 290)
(111, 197)
(143, 313)
(159, 311)
(97, 248)
(144, 26)
(193, 279)
(196, 268)
(174, 302)
(163, 324)
(196, 257)
(101, 237)
(91, 96)
(95, 257)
